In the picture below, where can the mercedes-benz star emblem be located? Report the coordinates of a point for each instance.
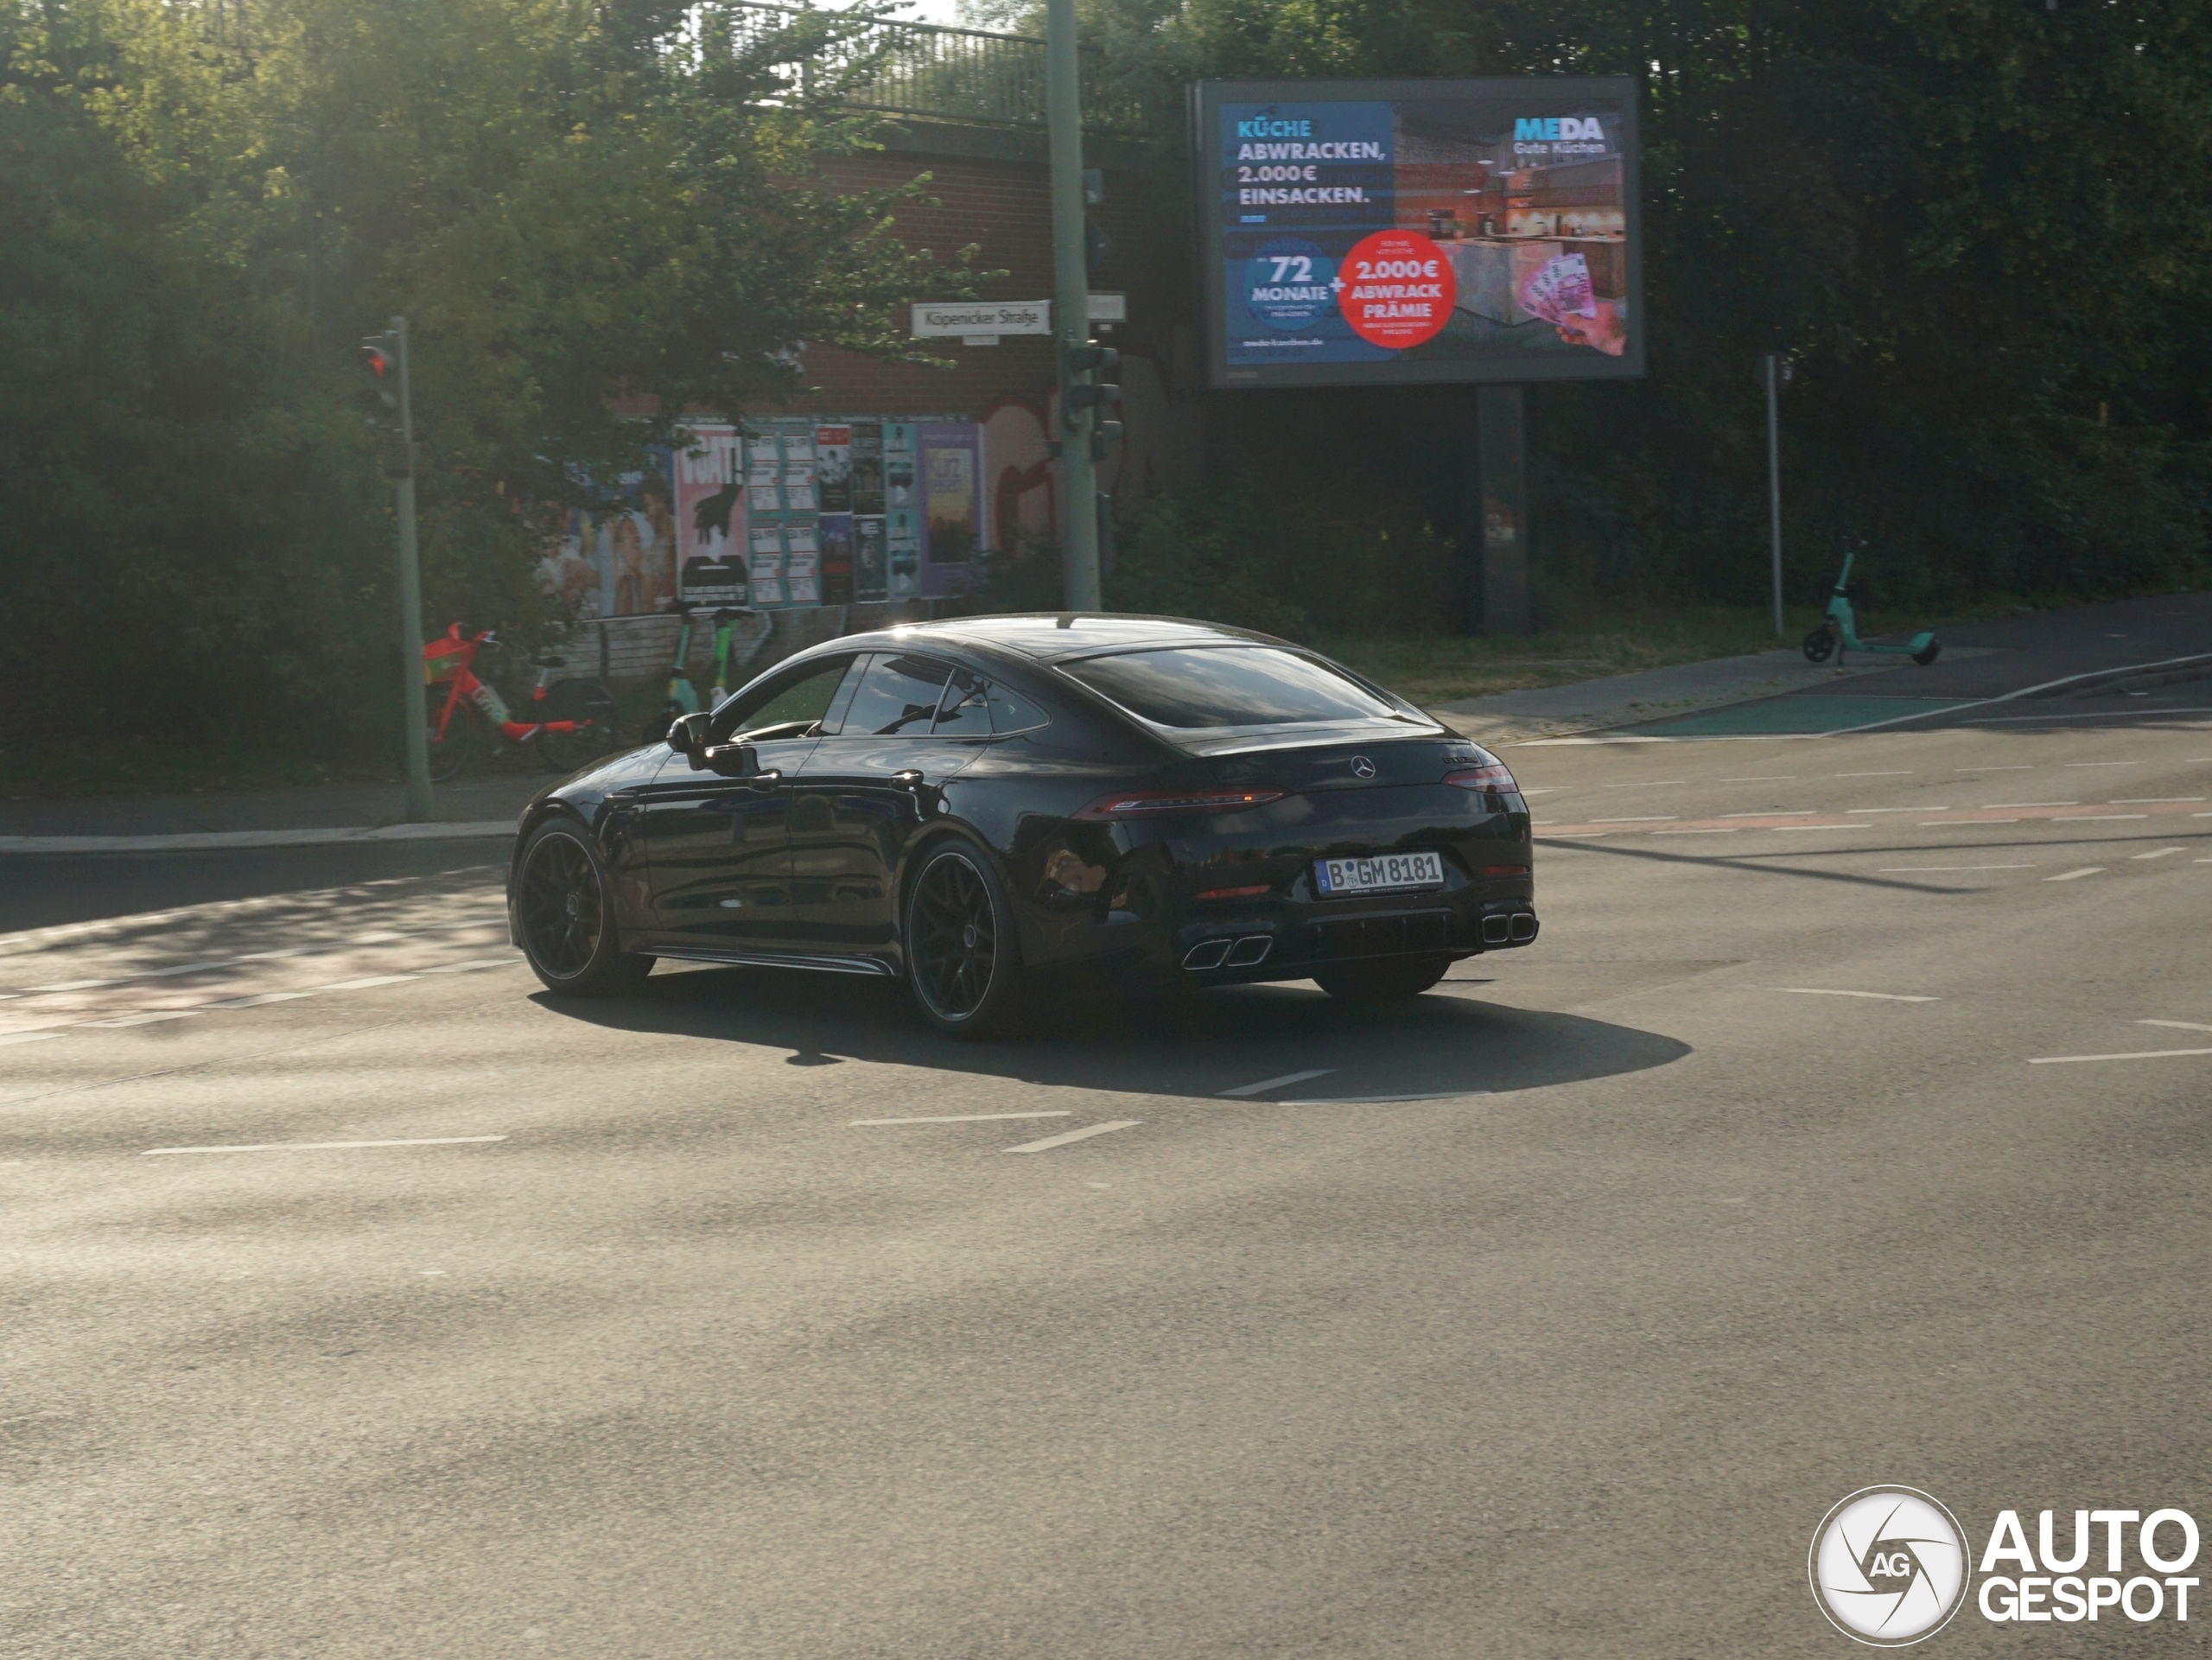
(1362, 768)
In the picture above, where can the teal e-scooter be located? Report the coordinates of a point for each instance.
(1838, 631)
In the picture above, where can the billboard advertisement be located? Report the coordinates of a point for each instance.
(1373, 233)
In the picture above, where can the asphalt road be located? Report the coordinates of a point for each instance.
(1544, 1316)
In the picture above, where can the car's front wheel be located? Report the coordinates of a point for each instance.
(1384, 981)
(963, 964)
(564, 909)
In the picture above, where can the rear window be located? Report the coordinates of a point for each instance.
(1251, 685)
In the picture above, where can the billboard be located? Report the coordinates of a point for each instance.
(1366, 233)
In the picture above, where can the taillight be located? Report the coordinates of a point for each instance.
(1491, 775)
(1153, 804)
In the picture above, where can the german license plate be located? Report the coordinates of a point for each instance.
(1389, 873)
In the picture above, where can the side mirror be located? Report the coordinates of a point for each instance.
(739, 760)
(687, 736)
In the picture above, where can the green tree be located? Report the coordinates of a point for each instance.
(594, 216)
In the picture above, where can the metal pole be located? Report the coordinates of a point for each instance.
(1071, 304)
(410, 608)
(1768, 366)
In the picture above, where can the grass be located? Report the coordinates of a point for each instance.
(1433, 669)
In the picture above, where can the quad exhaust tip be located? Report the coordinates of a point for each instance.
(1517, 930)
(1244, 953)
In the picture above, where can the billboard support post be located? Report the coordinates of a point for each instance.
(413, 699)
(1771, 372)
(1072, 307)
(1502, 462)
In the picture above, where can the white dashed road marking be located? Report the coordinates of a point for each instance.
(2162, 853)
(2179, 1026)
(1267, 1084)
(1880, 997)
(2086, 870)
(324, 1146)
(2138, 1054)
(1083, 1135)
(1899, 870)
(956, 1118)
(27, 1037)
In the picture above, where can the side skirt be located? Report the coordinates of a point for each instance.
(864, 965)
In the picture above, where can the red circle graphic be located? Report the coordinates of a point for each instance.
(1398, 289)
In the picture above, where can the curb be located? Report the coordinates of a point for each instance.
(210, 841)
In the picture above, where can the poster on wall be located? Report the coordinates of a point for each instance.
(710, 519)
(836, 530)
(744, 519)
(1408, 231)
(871, 566)
(766, 547)
(949, 473)
(867, 467)
(617, 558)
(833, 461)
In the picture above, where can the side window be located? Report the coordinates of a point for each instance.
(899, 696)
(789, 708)
(1011, 713)
(966, 713)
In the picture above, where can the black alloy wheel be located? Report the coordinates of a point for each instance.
(961, 960)
(561, 908)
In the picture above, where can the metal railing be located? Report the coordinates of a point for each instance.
(931, 70)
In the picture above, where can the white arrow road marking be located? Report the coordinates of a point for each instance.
(1083, 1135)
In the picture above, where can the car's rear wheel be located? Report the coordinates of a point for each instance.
(1384, 981)
(565, 912)
(963, 964)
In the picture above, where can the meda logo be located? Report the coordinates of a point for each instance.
(1888, 1565)
(1558, 128)
(1267, 124)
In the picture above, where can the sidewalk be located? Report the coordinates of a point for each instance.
(310, 815)
(1624, 699)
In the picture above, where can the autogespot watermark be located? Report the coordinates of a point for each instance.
(1890, 1566)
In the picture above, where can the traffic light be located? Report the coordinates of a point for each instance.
(379, 394)
(1077, 393)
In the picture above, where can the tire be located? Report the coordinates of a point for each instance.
(964, 962)
(1390, 979)
(565, 913)
(1928, 653)
(575, 700)
(1820, 645)
(461, 747)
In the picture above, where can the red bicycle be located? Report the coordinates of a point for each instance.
(575, 723)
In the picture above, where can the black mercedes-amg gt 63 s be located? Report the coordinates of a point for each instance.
(978, 805)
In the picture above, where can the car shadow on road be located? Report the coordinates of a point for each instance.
(1201, 1047)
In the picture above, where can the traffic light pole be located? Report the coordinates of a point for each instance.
(1070, 306)
(416, 714)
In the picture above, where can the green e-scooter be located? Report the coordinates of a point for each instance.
(682, 696)
(1838, 630)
